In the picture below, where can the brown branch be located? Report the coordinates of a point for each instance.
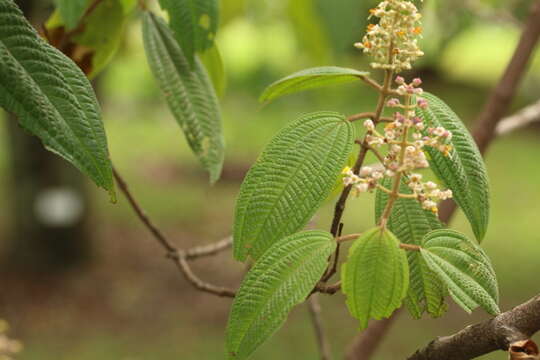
(360, 116)
(178, 256)
(314, 308)
(328, 289)
(484, 133)
(498, 333)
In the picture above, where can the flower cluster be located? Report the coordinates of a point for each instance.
(8, 347)
(392, 42)
(366, 180)
(405, 138)
(427, 193)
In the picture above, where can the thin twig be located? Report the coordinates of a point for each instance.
(178, 256)
(328, 289)
(484, 134)
(314, 308)
(208, 250)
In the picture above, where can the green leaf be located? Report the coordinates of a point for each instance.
(189, 94)
(463, 171)
(282, 278)
(410, 222)
(290, 180)
(375, 277)
(51, 97)
(213, 63)
(194, 24)
(465, 269)
(71, 11)
(103, 33)
(310, 79)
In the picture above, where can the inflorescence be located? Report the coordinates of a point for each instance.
(393, 44)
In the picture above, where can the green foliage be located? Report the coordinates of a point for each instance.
(51, 97)
(189, 94)
(71, 11)
(310, 79)
(308, 26)
(375, 277)
(194, 24)
(290, 180)
(213, 63)
(410, 222)
(465, 269)
(103, 31)
(282, 278)
(463, 171)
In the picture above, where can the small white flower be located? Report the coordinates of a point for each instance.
(365, 171)
(368, 124)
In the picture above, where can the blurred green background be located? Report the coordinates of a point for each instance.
(129, 303)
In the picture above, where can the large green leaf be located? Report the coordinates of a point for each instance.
(194, 24)
(310, 79)
(375, 277)
(463, 171)
(51, 97)
(410, 222)
(282, 278)
(290, 180)
(71, 11)
(188, 92)
(464, 267)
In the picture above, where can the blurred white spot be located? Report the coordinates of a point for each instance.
(58, 207)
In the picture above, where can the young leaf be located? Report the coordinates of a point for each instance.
(290, 180)
(310, 79)
(93, 48)
(282, 278)
(71, 11)
(463, 171)
(464, 268)
(188, 92)
(375, 277)
(51, 97)
(194, 24)
(410, 222)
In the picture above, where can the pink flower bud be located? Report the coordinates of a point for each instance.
(417, 82)
(393, 102)
(422, 103)
(400, 80)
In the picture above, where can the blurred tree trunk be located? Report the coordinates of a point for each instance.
(47, 196)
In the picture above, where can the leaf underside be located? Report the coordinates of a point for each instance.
(51, 97)
(282, 278)
(465, 269)
(194, 24)
(463, 171)
(310, 79)
(410, 222)
(375, 277)
(290, 180)
(189, 94)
